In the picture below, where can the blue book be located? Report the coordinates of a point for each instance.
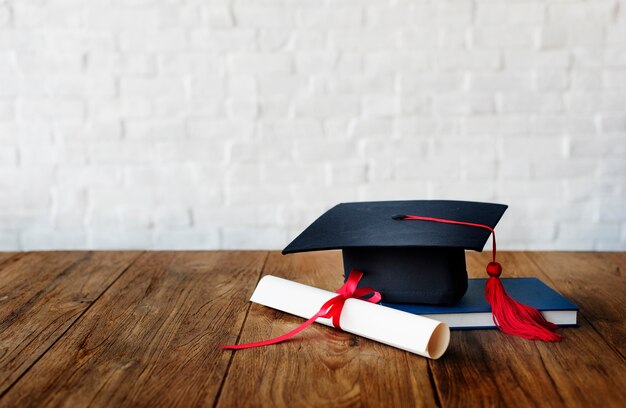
(473, 311)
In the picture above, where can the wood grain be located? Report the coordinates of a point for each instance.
(41, 295)
(79, 328)
(595, 281)
(152, 339)
(4, 256)
(322, 366)
(487, 368)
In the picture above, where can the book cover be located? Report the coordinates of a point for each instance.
(473, 311)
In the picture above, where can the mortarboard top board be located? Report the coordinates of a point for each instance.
(407, 262)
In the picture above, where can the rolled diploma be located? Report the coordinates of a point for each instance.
(406, 331)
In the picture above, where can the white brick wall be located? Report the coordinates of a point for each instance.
(192, 124)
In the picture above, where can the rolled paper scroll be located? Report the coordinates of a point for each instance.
(406, 331)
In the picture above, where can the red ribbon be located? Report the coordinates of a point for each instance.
(330, 309)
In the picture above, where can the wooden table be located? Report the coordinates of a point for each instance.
(143, 329)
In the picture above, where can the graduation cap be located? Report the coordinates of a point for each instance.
(422, 261)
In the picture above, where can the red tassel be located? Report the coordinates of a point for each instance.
(509, 315)
(513, 317)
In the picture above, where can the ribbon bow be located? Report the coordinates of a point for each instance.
(331, 310)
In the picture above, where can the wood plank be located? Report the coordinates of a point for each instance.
(487, 367)
(4, 256)
(41, 295)
(595, 282)
(152, 338)
(322, 366)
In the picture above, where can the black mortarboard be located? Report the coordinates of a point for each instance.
(407, 262)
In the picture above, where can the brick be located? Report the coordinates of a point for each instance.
(314, 151)
(108, 109)
(226, 40)
(187, 239)
(222, 216)
(612, 167)
(385, 106)
(597, 11)
(616, 34)
(372, 127)
(281, 173)
(174, 217)
(164, 41)
(326, 106)
(48, 63)
(244, 86)
(520, 59)
(497, 125)
(428, 82)
(522, 102)
(453, 189)
(609, 123)
(112, 238)
(128, 64)
(180, 15)
(467, 59)
(324, 18)
(181, 151)
(497, 36)
(457, 12)
(184, 194)
(218, 16)
(381, 191)
(432, 169)
(118, 19)
(587, 79)
(118, 152)
(547, 148)
(514, 168)
(274, 39)
(394, 61)
(102, 130)
(463, 103)
(309, 39)
(563, 36)
(380, 84)
(51, 239)
(50, 109)
(8, 156)
(415, 105)
(151, 87)
(260, 64)
(5, 16)
(276, 84)
(510, 13)
(500, 81)
(587, 57)
(569, 124)
(7, 109)
(9, 241)
(551, 80)
(563, 169)
(99, 85)
(614, 79)
(253, 238)
(385, 16)
(360, 39)
(219, 129)
(286, 129)
(205, 106)
(263, 17)
(350, 173)
(70, 205)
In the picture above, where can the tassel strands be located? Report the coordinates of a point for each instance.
(509, 315)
